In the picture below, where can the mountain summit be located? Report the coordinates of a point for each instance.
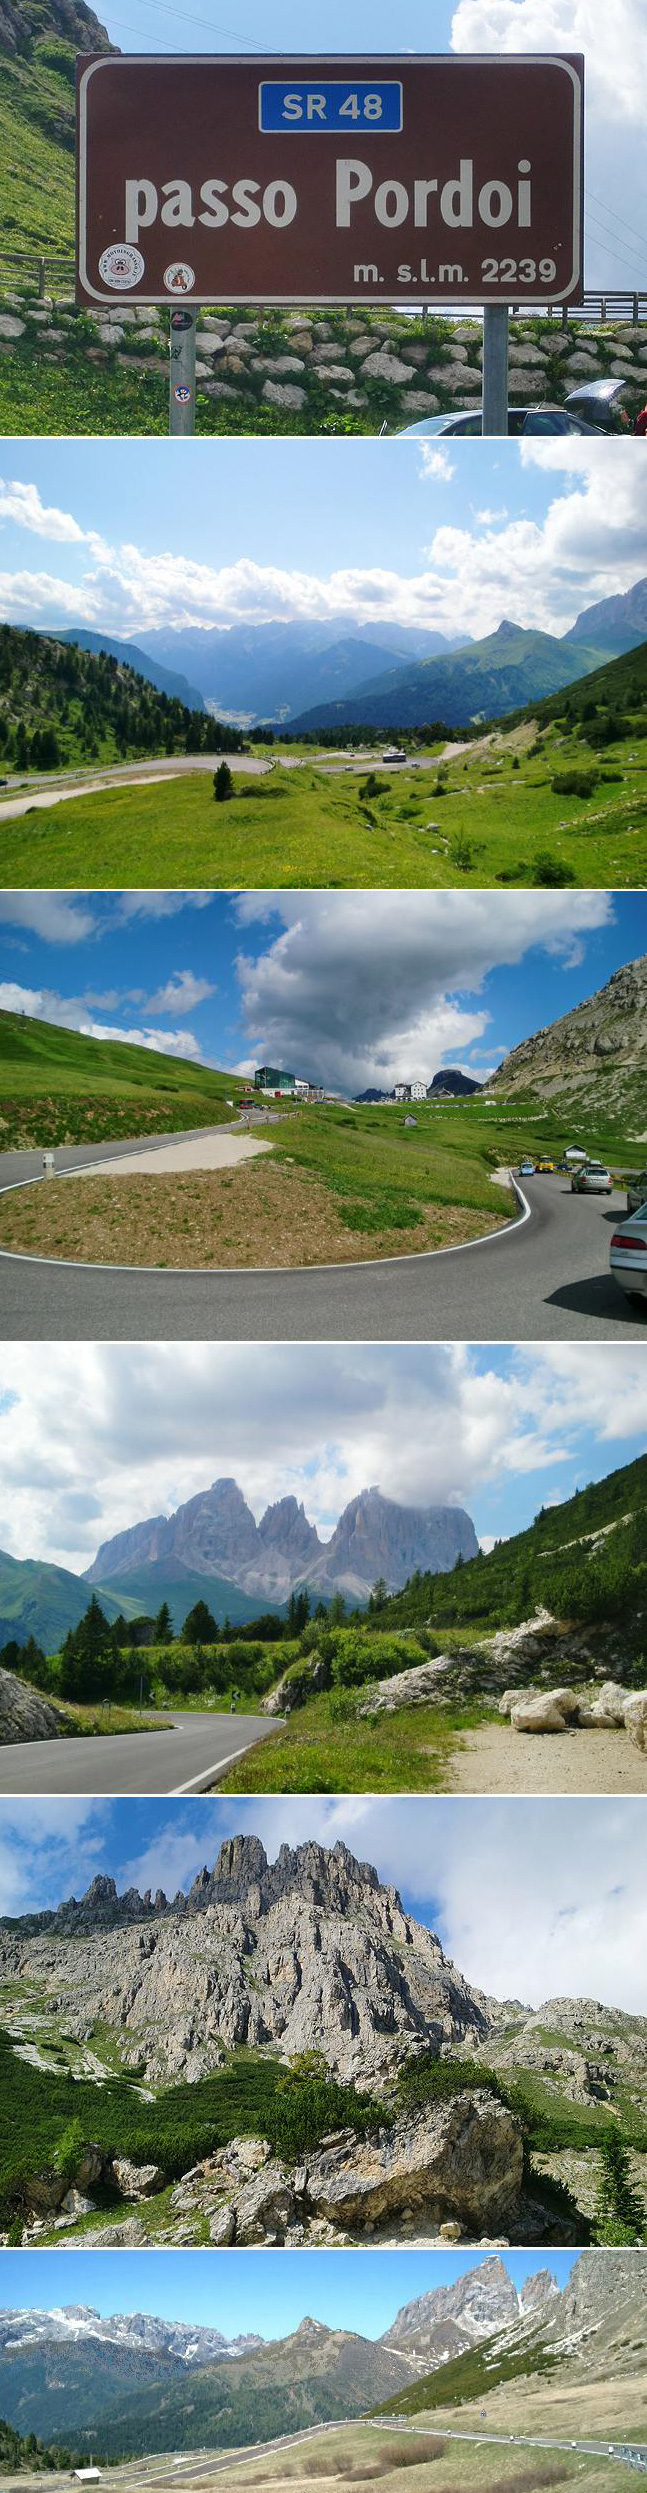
(215, 1534)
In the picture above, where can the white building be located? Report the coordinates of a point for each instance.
(417, 1090)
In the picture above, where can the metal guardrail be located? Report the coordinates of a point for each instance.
(37, 267)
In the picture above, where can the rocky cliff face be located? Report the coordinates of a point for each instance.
(215, 1533)
(24, 22)
(309, 1951)
(441, 2324)
(25, 1715)
(76, 2324)
(594, 1055)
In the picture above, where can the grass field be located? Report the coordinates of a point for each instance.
(362, 2454)
(324, 1747)
(340, 1184)
(489, 816)
(57, 1086)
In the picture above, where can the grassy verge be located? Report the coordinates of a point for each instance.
(59, 1086)
(427, 2463)
(493, 818)
(325, 1748)
(96, 1720)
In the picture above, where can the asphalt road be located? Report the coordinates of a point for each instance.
(23, 799)
(189, 1756)
(546, 1279)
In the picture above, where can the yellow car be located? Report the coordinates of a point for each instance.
(545, 1168)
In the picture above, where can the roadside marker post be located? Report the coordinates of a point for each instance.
(496, 328)
(182, 372)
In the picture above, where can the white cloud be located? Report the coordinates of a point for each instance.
(616, 110)
(21, 503)
(57, 917)
(181, 993)
(358, 993)
(98, 1437)
(591, 543)
(71, 1013)
(436, 460)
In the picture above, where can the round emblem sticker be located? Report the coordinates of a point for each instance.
(179, 278)
(182, 394)
(121, 266)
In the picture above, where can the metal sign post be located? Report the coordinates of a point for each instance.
(496, 322)
(181, 414)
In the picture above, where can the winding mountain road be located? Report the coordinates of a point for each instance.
(544, 1278)
(187, 1758)
(42, 793)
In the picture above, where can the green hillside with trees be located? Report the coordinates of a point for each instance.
(42, 1601)
(22, 2454)
(61, 705)
(552, 1564)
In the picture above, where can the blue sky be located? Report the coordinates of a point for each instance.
(452, 535)
(614, 189)
(578, 1868)
(355, 989)
(255, 2290)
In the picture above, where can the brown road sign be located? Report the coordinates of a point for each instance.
(330, 181)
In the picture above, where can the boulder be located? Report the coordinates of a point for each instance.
(459, 2162)
(137, 2181)
(540, 1713)
(266, 2205)
(10, 327)
(222, 2228)
(419, 403)
(608, 1707)
(25, 1715)
(284, 394)
(385, 367)
(635, 1719)
(414, 1687)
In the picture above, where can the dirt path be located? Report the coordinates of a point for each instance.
(203, 1151)
(497, 1759)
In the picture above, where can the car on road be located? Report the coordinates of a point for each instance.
(593, 1179)
(526, 1168)
(545, 1166)
(637, 1191)
(594, 408)
(394, 753)
(628, 1255)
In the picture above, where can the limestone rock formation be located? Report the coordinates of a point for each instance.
(215, 1534)
(26, 1715)
(603, 1038)
(308, 1951)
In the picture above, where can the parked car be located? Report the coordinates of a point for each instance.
(394, 753)
(593, 1179)
(526, 1168)
(628, 1255)
(594, 408)
(545, 1166)
(637, 1191)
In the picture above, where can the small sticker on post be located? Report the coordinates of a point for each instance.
(182, 393)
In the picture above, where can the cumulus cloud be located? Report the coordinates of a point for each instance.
(356, 992)
(97, 1437)
(21, 503)
(73, 1013)
(180, 994)
(616, 107)
(591, 543)
(57, 917)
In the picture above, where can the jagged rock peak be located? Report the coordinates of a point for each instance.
(331, 1878)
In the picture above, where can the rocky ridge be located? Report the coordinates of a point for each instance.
(26, 1715)
(215, 1533)
(606, 1037)
(309, 1951)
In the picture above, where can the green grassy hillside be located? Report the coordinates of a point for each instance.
(42, 1601)
(601, 699)
(551, 1563)
(39, 40)
(22, 2455)
(61, 705)
(484, 680)
(58, 1086)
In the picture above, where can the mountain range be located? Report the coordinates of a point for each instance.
(594, 1056)
(271, 670)
(216, 1535)
(121, 2381)
(485, 679)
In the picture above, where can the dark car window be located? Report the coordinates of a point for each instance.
(547, 420)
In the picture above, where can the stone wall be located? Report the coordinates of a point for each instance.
(318, 369)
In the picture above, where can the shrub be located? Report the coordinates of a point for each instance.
(550, 872)
(574, 782)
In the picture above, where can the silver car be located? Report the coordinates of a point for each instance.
(593, 1179)
(637, 1191)
(628, 1254)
